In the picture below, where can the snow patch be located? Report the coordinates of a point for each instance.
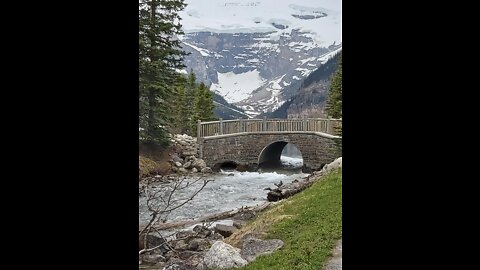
(203, 52)
(237, 87)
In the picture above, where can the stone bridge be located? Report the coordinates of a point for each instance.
(252, 143)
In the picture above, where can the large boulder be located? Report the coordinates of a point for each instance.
(223, 256)
(253, 247)
(337, 163)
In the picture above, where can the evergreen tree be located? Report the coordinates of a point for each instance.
(189, 105)
(334, 102)
(159, 55)
(181, 111)
(203, 105)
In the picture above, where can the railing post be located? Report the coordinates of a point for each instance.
(199, 127)
(304, 123)
(221, 126)
(240, 123)
(329, 126)
(199, 139)
(264, 128)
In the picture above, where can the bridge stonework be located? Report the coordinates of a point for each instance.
(244, 149)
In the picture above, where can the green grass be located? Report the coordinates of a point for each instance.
(310, 225)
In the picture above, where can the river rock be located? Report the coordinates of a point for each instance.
(176, 158)
(189, 153)
(206, 170)
(185, 235)
(245, 215)
(194, 170)
(199, 244)
(253, 247)
(199, 164)
(178, 265)
(152, 258)
(223, 256)
(215, 237)
(174, 169)
(190, 158)
(182, 170)
(239, 223)
(180, 245)
(225, 230)
(187, 165)
(178, 164)
(202, 231)
(152, 241)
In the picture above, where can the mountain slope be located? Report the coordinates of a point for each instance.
(255, 53)
(310, 99)
(225, 110)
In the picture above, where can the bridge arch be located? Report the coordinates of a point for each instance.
(270, 156)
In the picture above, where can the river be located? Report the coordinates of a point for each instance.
(229, 190)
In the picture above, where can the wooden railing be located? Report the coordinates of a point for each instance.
(215, 128)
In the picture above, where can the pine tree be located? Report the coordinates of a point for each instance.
(181, 114)
(159, 56)
(203, 105)
(334, 102)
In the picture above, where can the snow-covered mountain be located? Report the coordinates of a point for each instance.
(255, 53)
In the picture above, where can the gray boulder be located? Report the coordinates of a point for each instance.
(223, 256)
(253, 247)
(337, 163)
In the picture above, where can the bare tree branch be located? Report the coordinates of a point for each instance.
(161, 201)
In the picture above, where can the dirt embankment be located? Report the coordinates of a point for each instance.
(154, 160)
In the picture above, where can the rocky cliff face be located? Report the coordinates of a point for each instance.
(311, 97)
(256, 53)
(251, 70)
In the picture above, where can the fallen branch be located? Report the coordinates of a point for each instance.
(212, 217)
(287, 190)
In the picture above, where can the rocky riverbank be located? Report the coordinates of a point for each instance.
(180, 158)
(203, 248)
(224, 245)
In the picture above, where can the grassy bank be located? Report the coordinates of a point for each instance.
(309, 223)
